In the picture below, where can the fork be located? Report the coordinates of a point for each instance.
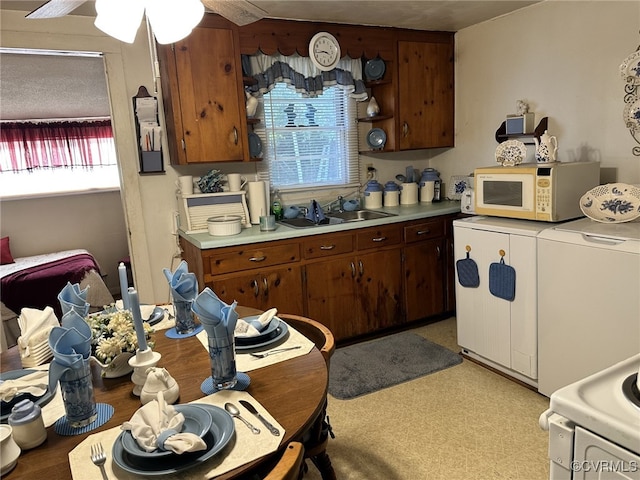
(98, 457)
(266, 354)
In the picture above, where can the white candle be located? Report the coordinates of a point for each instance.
(124, 285)
(137, 319)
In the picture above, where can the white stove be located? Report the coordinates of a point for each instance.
(594, 425)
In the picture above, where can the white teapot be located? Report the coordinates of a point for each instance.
(546, 148)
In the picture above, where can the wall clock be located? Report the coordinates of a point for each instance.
(324, 51)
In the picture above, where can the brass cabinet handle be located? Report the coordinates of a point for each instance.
(327, 247)
(256, 289)
(258, 259)
(438, 252)
(235, 136)
(266, 285)
(379, 239)
(405, 129)
(423, 232)
(353, 269)
(361, 267)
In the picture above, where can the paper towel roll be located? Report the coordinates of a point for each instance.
(257, 201)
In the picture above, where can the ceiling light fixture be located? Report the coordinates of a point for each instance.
(170, 20)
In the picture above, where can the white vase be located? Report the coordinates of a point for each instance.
(373, 108)
(252, 105)
(118, 367)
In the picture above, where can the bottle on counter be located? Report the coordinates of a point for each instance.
(276, 206)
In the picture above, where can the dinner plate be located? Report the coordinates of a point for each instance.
(255, 145)
(511, 153)
(197, 420)
(219, 435)
(156, 316)
(270, 331)
(376, 138)
(630, 69)
(612, 203)
(374, 69)
(5, 409)
(281, 332)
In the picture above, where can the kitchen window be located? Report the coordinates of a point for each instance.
(309, 142)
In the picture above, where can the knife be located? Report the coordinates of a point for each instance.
(253, 410)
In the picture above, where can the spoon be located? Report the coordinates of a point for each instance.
(401, 178)
(234, 412)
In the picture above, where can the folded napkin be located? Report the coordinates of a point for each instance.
(182, 283)
(35, 326)
(157, 425)
(70, 344)
(145, 310)
(71, 297)
(254, 327)
(33, 383)
(218, 318)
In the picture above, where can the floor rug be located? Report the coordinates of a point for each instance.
(369, 366)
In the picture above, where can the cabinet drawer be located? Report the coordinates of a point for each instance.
(377, 237)
(253, 256)
(326, 245)
(423, 231)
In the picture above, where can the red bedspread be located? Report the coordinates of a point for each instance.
(38, 287)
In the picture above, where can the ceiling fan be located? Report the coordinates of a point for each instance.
(240, 12)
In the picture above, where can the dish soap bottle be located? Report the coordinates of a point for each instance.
(276, 206)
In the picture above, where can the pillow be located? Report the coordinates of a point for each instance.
(5, 252)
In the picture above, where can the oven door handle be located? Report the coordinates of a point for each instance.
(543, 421)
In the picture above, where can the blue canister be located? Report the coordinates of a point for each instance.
(373, 195)
(391, 194)
(28, 426)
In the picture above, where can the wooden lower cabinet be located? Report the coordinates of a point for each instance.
(424, 279)
(263, 289)
(356, 295)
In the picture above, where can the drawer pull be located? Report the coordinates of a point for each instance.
(235, 136)
(258, 259)
(423, 232)
(379, 239)
(327, 247)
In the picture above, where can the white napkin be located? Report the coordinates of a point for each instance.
(253, 328)
(35, 326)
(34, 383)
(151, 424)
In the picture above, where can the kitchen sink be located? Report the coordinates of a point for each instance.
(335, 218)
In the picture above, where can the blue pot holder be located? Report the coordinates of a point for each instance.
(502, 280)
(468, 271)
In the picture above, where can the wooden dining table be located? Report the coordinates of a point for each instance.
(293, 391)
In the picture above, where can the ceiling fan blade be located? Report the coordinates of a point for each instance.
(240, 12)
(55, 8)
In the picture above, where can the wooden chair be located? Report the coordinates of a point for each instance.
(315, 442)
(289, 467)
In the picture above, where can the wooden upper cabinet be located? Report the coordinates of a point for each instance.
(425, 94)
(204, 97)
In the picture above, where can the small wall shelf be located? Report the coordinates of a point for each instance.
(526, 138)
(376, 118)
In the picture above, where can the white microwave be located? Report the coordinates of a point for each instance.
(547, 192)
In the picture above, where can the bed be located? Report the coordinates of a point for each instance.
(35, 282)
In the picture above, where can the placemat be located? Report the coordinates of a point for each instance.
(245, 447)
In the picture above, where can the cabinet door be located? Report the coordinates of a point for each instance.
(263, 289)
(424, 279)
(332, 298)
(379, 278)
(426, 98)
(211, 101)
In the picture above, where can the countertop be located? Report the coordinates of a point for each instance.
(402, 213)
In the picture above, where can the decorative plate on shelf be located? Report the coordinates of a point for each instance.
(457, 185)
(630, 69)
(631, 115)
(510, 153)
(255, 145)
(374, 69)
(376, 138)
(612, 203)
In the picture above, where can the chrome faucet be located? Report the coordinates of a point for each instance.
(340, 202)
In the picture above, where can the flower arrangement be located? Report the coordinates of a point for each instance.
(113, 333)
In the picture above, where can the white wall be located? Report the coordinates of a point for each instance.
(563, 57)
